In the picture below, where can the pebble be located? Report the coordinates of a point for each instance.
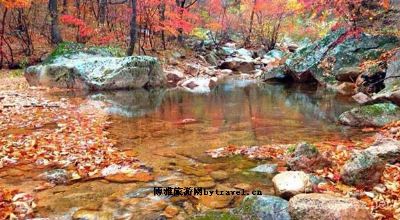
(219, 175)
(171, 211)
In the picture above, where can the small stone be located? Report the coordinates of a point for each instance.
(266, 168)
(361, 98)
(243, 186)
(219, 175)
(363, 170)
(380, 188)
(290, 183)
(171, 211)
(57, 176)
(386, 149)
(306, 157)
(84, 214)
(206, 184)
(217, 201)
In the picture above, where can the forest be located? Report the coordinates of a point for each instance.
(200, 109)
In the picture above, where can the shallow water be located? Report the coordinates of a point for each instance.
(170, 130)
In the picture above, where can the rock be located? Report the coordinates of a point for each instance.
(244, 52)
(307, 158)
(371, 81)
(290, 183)
(212, 58)
(363, 170)
(386, 149)
(263, 207)
(174, 76)
(85, 214)
(376, 115)
(391, 92)
(243, 186)
(238, 64)
(346, 88)
(317, 206)
(302, 62)
(139, 193)
(219, 175)
(323, 59)
(266, 168)
(199, 84)
(206, 184)
(361, 98)
(85, 71)
(276, 74)
(57, 176)
(171, 211)
(348, 74)
(226, 51)
(217, 201)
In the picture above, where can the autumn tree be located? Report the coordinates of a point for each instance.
(133, 30)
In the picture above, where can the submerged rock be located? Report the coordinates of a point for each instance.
(376, 115)
(96, 72)
(290, 183)
(327, 207)
(265, 168)
(307, 158)
(87, 214)
(364, 169)
(263, 207)
(57, 176)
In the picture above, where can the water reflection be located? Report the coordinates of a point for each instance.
(235, 112)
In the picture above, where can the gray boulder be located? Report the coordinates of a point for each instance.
(317, 206)
(263, 207)
(323, 59)
(85, 71)
(376, 115)
(364, 169)
(387, 149)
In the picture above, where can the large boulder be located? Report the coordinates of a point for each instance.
(304, 60)
(324, 59)
(307, 158)
(277, 74)
(387, 149)
(364, 169)
(376, 115)
(391, 92)
(263, 207)
(290, 183)
(244, 65)
(348, 74)
(88, 71)
(317, 206)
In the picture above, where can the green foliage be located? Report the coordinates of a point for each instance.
(379, 109)
(291, 149)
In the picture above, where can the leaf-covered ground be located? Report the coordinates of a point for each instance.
(51, 133)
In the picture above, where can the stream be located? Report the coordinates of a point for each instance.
(170, 131)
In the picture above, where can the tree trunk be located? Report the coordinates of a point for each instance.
(102, 11)
(133, 31)
(54, 29)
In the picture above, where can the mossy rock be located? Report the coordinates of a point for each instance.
(67, 49)
(376, 115)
